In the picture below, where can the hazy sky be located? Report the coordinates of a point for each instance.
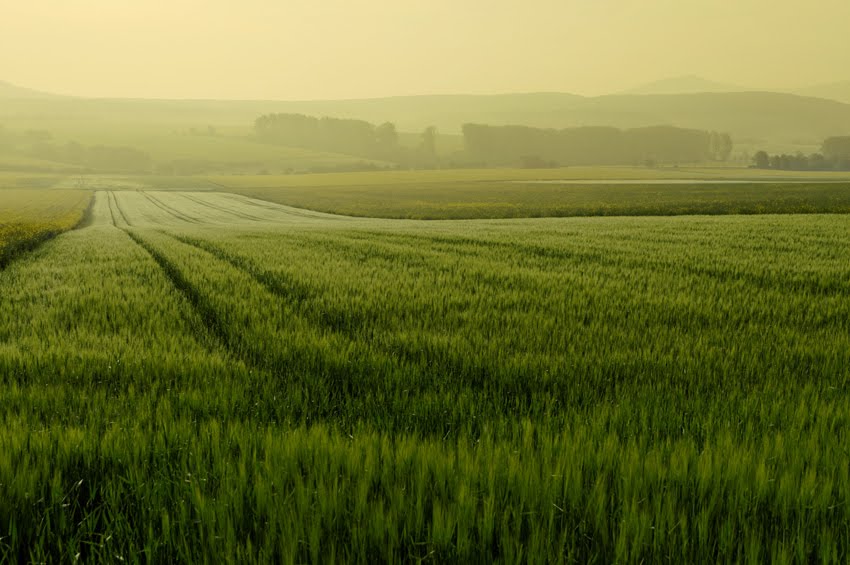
(301, 49)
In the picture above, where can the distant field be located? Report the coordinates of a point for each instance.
(28, 180)
(372, 178)
(179, 147)
(203, 377)
(501, 193)
(240, 153)
(21, 164)
(133, 182)
(29, 216)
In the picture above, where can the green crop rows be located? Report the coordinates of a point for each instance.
(577, 191)
(202, 377)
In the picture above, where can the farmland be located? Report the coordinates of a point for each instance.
(575, 191)
(207, 377)
(28, 217)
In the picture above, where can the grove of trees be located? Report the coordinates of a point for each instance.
(834, 156)
(351, 137)
(98, 157)
(515, 145)
(837, 148)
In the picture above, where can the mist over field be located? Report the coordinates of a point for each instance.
(179, 88)
(467, 282)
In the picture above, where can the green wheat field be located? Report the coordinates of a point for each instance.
(205, 377)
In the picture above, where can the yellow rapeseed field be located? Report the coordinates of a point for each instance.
(29, 216)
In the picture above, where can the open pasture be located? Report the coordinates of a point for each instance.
(208, 377)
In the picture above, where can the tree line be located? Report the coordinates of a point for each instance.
(834, 156)
(348, 136)
(513, 145)
(40, 144)
(487, 145)
(97, 157)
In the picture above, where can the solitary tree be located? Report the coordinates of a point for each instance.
(386, 136)
(429, 144)
(837, 148)
(724, 146)
(714, 145)
(762, 160)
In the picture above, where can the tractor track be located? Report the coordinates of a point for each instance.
(223, 209)
(213, 326)
(169, 210)
(288, 210)
(111, 198)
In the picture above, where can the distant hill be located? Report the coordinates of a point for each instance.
(753, 118)
(11, 91)
(684, 85)
(409, 113)
(447, 112)
(839, 91)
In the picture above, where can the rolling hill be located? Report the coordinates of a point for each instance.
(754, 119)
(11, 91)
(839, 91)
(684, 85)
(757, 116)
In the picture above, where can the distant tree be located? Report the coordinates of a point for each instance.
(428, 146)
(505, 145)
(352, 137)
(801, 162)
(714, 145)
(720, 146)
(724, 146)
(817, 162)
(535, 162)
(837, 148)
(762, 160)
(387, 137)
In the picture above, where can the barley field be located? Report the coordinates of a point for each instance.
(205, 377)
